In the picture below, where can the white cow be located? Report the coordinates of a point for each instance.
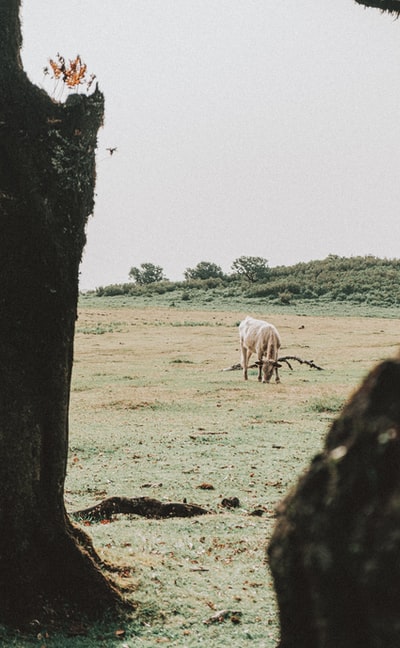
(261, 338)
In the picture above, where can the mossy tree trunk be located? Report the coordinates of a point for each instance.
(47, 176)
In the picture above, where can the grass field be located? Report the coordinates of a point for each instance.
(152, 413)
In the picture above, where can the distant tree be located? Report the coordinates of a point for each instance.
(204, 270)
(251, 267)
(147, 273)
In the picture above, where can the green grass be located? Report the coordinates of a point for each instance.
(153, 414)
(217, 300)
(326, 404)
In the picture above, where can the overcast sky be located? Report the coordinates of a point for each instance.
(242, 127)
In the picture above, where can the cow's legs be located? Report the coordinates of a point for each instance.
(244, 360)
(260, 369)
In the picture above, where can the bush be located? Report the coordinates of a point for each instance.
(252, 268)
(148, 273)
(113, 290)
(285, 297)
(204, 270)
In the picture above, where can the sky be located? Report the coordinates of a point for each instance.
(243, 127)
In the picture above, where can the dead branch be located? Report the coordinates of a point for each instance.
(310, 363)
(285, 359)
(144, 506)
(238, 366)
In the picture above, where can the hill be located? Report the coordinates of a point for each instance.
(354, 280)
(358, 279)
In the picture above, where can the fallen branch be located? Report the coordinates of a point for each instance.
(310, 363)
(238, 366)
(144, 506)
(285, 359)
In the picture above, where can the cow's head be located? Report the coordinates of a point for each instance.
(267, 368)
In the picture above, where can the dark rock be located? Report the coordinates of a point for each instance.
(335, 550)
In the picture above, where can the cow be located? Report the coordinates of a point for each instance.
(261, 338)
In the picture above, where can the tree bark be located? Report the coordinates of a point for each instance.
(47, 176)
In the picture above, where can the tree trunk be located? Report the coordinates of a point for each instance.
(47, 176)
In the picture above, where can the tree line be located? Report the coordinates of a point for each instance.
(252, 268)
(358, 279)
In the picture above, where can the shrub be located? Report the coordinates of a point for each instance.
(147, 273)
(285, 297)
(204, 270)
(113, 290)
(251, 268)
